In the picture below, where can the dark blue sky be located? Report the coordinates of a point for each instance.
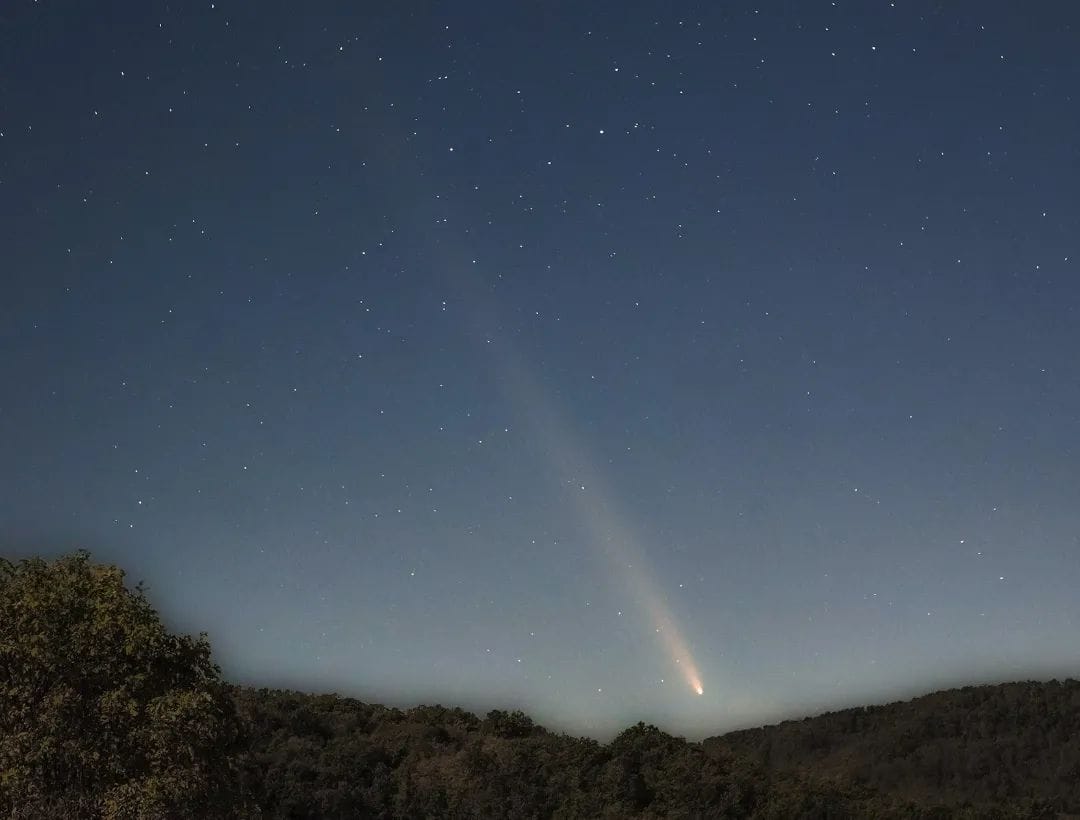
(562, 356)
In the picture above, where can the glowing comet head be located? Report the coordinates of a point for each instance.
(694, 679)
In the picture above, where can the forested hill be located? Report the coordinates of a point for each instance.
(979, 744)
(987, 752)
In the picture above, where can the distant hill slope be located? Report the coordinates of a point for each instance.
(991, 752)
(980, 744)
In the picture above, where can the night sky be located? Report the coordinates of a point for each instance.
(564, 356)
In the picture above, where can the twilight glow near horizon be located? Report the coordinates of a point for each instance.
(704, 364)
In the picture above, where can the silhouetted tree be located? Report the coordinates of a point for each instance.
(103, 713)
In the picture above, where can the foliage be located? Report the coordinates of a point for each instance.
(102, 712)
(1015, 744)
(320, 756)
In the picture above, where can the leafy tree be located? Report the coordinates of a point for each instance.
(509, 724)
(103, 713)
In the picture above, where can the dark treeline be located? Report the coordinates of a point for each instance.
(327, 756)
(983, 744)
(105, 714)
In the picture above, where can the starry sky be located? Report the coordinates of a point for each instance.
(576, 357)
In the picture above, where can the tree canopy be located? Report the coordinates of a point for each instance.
(103, 712)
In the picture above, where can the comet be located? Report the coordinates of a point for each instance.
(610, 529)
